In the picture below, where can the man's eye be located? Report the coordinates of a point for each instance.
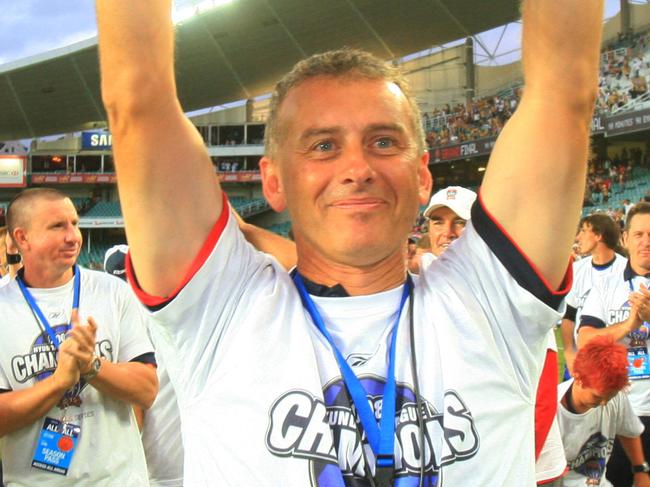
(384, 142)
(324, 146)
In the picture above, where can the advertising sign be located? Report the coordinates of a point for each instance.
(12, 171)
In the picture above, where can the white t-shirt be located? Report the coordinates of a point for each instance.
(585, 275)
(261, 395)
(589, 437)
(607, 304)
(109, 451)
(4, 280)
(161, 432)
(427, 258)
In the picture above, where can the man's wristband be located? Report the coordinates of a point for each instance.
(643, 468)
(95, 365)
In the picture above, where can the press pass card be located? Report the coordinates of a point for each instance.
(56, 446)
(639, 365)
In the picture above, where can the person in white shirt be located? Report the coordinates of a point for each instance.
(277, 368)
(74, 358)
(598, 240)
(618, 307)
(447, 214)
(593, 410)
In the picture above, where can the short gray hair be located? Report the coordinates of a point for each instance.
(345, 62)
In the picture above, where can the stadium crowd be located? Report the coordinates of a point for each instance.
(624, 77)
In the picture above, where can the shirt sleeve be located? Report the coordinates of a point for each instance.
(515, 261)
(134, 339)
(493, 291)
(628, 423)
(228, 279)
(593, 312)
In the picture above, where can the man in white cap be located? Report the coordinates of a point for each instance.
(447, 213)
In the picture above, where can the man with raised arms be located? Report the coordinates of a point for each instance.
(273, 362)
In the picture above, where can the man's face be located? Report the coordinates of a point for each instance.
(637, 240)
(590, 397)
(52, 238)
(445, 226)
(348, 169)
(587, 239)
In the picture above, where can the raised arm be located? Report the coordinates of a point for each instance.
(166, 181)
(535, 179)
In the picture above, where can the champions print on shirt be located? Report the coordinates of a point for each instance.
(326, 433)
(590, 461)
(41, 361)
(637, 337)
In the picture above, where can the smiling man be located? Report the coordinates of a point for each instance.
(74, 357)
(346, 372)
(448, 212)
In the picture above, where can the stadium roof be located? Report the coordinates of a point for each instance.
(237, 51)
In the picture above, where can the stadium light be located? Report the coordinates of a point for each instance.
(186, 12)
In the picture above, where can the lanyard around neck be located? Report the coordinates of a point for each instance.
(380, 437)
(39, 313)
(629, 281)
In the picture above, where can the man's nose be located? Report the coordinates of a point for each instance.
(357, 167)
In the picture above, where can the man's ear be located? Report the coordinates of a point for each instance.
(19, 238)
(272, 184)
(425, 179)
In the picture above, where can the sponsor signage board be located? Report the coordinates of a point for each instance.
(96, 140)
(13, 171)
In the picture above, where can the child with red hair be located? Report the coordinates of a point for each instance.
(593, 409)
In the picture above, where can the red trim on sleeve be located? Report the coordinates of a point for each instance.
(548, 481)
(567, 282)
(199, 260)
(546, 400)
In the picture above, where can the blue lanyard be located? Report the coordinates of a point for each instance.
(629, 281)
(380, 437)
(37, 310)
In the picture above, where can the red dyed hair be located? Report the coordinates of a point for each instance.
(602, 365)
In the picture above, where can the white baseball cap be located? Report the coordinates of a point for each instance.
(456, 198)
